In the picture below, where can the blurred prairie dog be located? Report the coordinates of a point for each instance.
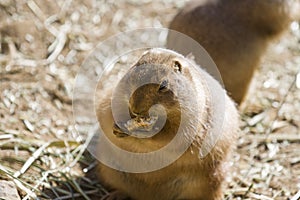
(235, 33)
(189, 177)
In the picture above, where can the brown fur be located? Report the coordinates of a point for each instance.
(189, 177)
(235, 33)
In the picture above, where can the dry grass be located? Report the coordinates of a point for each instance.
(37, 70)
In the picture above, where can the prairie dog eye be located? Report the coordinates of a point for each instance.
(163, 87)
(177, 66)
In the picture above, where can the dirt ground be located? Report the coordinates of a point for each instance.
(43, 44)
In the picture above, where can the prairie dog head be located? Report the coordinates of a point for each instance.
(153, 95)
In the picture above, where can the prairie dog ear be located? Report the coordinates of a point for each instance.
(190, 56)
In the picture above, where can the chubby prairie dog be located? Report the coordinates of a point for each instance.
(186, 93)
(235, 33)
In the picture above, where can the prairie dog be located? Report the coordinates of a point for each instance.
(190, 176)
(235, 33)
